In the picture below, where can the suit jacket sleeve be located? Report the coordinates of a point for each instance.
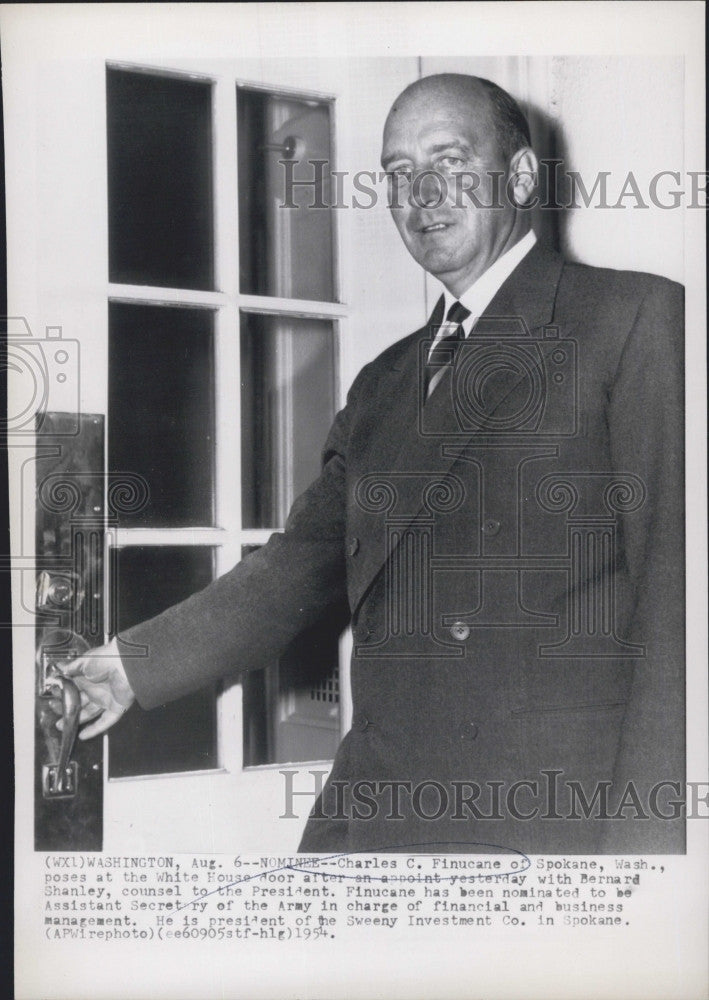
(247, 618)
(646, 423)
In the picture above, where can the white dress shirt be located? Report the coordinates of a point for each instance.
(481, 293)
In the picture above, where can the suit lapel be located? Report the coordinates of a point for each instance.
(410, 442)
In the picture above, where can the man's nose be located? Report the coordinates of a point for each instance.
(428, 189)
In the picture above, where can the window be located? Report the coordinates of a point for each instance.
(160, 211)
(288, 366)
(285, 231)
(223, 341)
(287, 405)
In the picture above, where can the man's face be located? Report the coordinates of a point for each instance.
(436, 130)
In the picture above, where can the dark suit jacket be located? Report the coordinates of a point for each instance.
(512, 554)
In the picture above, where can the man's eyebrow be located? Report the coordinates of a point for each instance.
(391, 157)
(451, 143)
(439, 147)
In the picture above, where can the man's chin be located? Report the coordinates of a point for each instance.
(448, 273)
(438, 261)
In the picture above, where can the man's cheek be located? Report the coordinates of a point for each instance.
(399, 217)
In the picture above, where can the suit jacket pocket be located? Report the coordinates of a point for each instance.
(580, 739)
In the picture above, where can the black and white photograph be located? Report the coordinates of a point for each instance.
(356, 436)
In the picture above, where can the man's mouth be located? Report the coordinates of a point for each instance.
(434, 227)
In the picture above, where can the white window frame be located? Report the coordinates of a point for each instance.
(228, 537)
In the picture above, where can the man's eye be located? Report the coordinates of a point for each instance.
(451, 162)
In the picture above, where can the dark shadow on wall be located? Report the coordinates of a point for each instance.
(549, 145)
(554, 190)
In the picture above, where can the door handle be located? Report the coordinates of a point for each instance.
(60, 780)
(69, 536)
(60, 774)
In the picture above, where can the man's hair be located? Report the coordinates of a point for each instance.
(511, 126)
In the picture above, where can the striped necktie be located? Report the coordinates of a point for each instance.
(440, 355)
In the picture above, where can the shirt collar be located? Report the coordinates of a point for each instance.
(478, 297)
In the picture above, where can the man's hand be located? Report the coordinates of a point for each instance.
(105, 692)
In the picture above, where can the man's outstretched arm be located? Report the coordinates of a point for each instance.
(242, 621)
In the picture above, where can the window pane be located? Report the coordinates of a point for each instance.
(160, 216)
(287, 406)
(286, 251)
(161, 410)
(180, 736)
(292, 708)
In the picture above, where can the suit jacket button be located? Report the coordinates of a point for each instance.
(460, 631)
(491, 526)
(360, 723)
(467, 730)
(353, 547)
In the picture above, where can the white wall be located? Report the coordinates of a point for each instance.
(616, 114)
(622, 115)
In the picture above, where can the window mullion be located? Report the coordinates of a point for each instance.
(305, 308)
(160, 296)
(228, 443)
(167, 536)
(228, 385)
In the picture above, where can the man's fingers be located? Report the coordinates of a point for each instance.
(89, 712)
(104, 689)
(76, 667)
(89, 709)
(104, 722)
(82, 682)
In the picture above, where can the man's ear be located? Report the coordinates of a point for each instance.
(523, 175)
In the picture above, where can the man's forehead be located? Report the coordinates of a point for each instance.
(441, 91)
(436, 121)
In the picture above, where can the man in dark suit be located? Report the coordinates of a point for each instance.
(501, 502)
